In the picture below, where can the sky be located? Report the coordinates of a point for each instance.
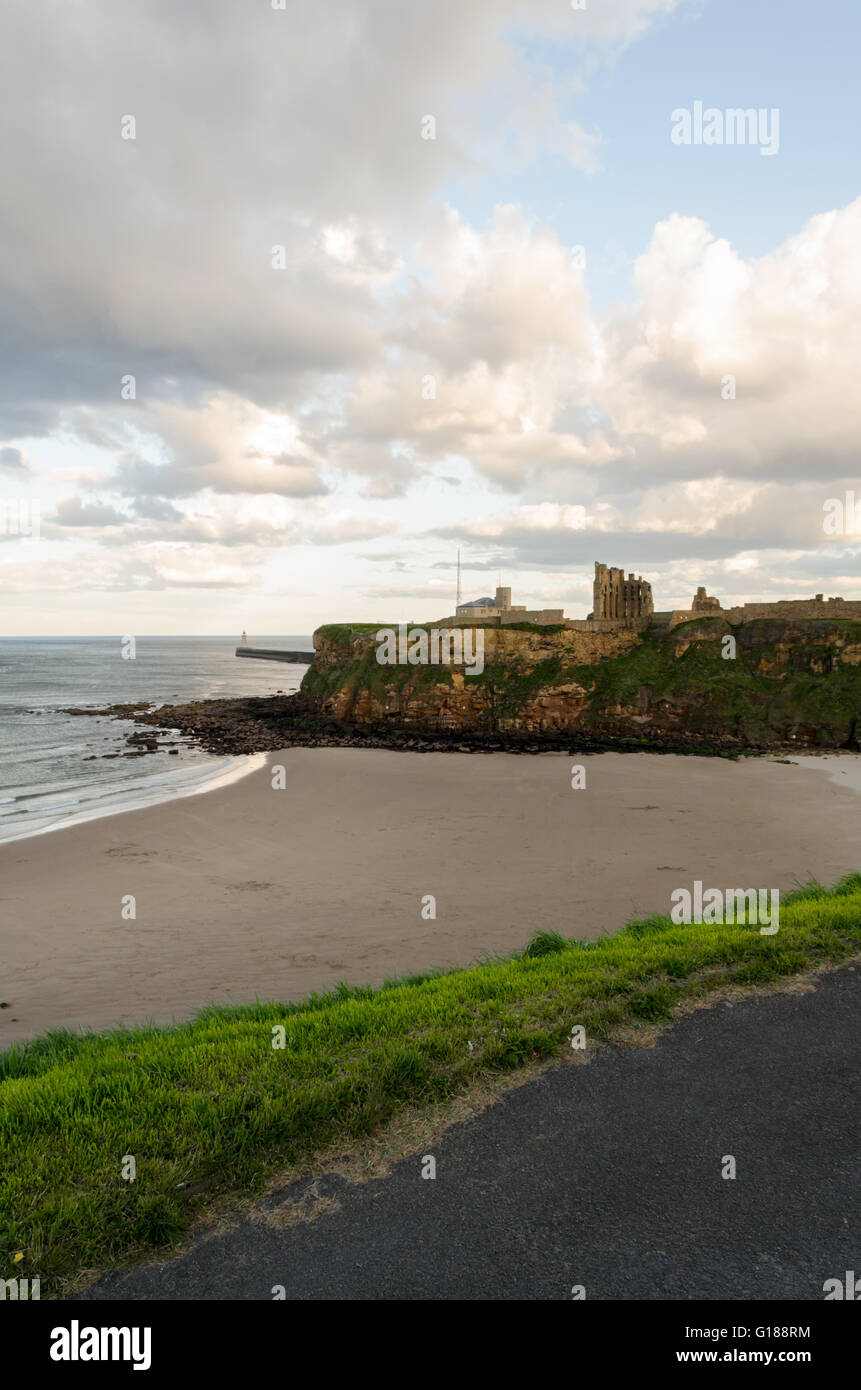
(297, 301)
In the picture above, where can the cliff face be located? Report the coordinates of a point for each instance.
(790, 682)
(523, 648)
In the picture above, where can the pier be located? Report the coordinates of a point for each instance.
(272, 654)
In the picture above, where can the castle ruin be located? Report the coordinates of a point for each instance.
(614, 596)
(625, 602)
(704, 605)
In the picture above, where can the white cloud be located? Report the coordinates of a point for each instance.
(402, 341)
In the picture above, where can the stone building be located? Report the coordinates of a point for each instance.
(499, 610)
(618, 598)
(489, 607)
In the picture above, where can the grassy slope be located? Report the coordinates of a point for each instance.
(732, 693)
(209, 1108)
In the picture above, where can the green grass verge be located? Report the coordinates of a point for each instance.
(209, 1108)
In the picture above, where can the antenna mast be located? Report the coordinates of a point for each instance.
(459, 595)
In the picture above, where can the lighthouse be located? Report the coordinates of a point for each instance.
(244, 642)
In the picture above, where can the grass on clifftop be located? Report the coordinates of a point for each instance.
(208, 1109)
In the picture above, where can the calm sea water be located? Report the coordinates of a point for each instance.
(48, 775)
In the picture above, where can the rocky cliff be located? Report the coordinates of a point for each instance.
(777, 682)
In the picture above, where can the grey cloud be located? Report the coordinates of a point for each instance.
(384, 557)
(494, 563)
(13, 460)
(137, 477)
(71, 511)
(262, 128)
(289, 477)
(554, 549)
(156, 509)
(273, 126)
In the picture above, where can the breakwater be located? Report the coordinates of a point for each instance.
(272, 654)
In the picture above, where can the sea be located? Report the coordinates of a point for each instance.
(53, 771)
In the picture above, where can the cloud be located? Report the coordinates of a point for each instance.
(71, 511)
(156, 509)
(502, 364)
(277, 129)
(784, 327)
(338, 529)
(398, 339)
(220, 446)
(724, 368)
(132, 574)
(295, 477)
(12, 460)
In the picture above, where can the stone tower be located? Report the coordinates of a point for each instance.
(618, 598)
(704, 603)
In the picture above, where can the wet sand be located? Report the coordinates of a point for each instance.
(251, 891)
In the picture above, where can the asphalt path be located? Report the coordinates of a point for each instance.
(606, 1176)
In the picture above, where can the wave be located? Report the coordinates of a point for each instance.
(151, 791)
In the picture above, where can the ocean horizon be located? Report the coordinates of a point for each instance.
(57, 769)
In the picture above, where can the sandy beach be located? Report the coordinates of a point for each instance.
(254, 891)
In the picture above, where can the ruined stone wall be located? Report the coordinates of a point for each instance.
(685, 615)
(489, 617)
(787, 610)
(607, 624)
(796, 608)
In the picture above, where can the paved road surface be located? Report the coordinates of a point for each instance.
(606, 1175)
